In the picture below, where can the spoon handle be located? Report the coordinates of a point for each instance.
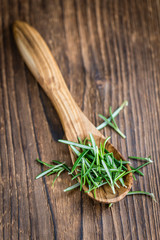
(43, 66)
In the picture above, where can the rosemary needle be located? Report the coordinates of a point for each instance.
(144, 193)
(72, 187)
(75, 144)
(51, 169)
(141, 158)
(115, 127)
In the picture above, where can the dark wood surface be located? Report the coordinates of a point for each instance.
(108, 51)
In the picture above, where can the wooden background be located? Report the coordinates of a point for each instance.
(108, 52)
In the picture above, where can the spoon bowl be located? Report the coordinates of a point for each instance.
(44, 68)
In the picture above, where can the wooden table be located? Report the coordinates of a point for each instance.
(108, 52)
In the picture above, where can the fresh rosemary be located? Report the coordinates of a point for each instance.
(111, 120)
(144, 193)
(148, 159)
(95, 166)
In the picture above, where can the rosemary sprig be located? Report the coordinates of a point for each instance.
(58, 168)
(141, 158)
(111, 120)
(143, 193)
(54, 169)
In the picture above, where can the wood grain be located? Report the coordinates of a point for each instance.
(108, 52)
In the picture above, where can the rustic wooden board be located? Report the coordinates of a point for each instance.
(108, 51)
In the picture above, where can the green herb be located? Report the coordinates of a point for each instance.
(96, 166)
(111, 120)
(148, 159)
(72, 187)
(144, 193)
(76, 144)
(53, 169)
(141, 158)
(137, 171)
(139, 193)
(58, 168)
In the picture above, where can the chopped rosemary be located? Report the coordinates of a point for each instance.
(95, 167)
(111, 120)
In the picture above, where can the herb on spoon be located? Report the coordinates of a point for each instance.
(58, 167)
(94, 166)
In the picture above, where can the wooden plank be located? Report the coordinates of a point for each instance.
(108, 51)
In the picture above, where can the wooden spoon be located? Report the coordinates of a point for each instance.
(43, 66)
